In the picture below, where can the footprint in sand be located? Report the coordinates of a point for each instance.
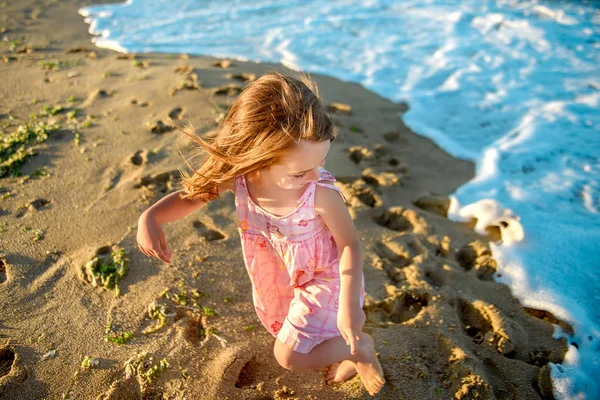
(435, 204)
(114, 177)
(141, 157)
(486, 323)
(230, 89)
(161, 182)
(401, 219)
(340, 108)
(474, 323)
(253, 373)
(380, 159)
(395, 251)
(208, 234)
(128, 388)
(94, 96)
(39, 204)
(3, 272)
(103, 251)
(155, 185)
(441, 245)
(393, 219)
(393, 137)
(549, 317)
(142, 104)
(183, 69)
(253, 370)
(192, 327)
(130, 56)
(7, 358)
(436, 276)
(190, 82)
(359, 153)
(138, 158)
(472, 386)
(398, 309)
(396, 165)
(176, 113)
(159, 127)
(365, 195)
(358, 193)
(223, 64)
(35, 205)
(392, 269)
(380, 179)
(243, 77)
(477, 256)
(12, 373)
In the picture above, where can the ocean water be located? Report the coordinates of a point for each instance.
(512, 85)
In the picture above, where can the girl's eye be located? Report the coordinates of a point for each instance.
(299, 176)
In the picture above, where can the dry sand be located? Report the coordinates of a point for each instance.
(443, 328)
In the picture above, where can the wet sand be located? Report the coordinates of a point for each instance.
(442, 327)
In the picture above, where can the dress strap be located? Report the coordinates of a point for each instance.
(239, 188)
(240, 191)
(326, 180)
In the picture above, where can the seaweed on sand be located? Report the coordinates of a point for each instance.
(106, 271)
(138, 365)
(16, 146)
(122, 338)
(157, 312)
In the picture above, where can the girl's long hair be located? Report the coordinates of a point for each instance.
(271, 115)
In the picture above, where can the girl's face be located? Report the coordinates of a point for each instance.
(298, 166)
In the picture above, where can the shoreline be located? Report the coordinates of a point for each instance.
(441, 325)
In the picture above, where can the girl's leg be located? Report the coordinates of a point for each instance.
(334, 351)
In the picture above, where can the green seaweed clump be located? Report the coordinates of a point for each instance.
(157, 312)
(123, 338)
(138, 365)
(15, 147)
(89, 362)
(47, 110)
(107, 271)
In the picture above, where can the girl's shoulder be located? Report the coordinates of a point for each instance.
(327, 195)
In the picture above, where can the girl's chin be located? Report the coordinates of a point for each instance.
(293, 187)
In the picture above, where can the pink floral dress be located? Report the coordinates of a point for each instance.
(292, 262)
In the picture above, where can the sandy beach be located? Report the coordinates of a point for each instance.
(85, 315)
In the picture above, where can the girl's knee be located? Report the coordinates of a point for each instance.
(366, 338)
(284, 355)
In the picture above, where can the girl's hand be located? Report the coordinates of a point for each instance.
(151, 239)
(350, 322)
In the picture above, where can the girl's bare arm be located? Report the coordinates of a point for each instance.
(150, 236)
(351, 318)
(173, 207)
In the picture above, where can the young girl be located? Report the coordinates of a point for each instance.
(300, 247)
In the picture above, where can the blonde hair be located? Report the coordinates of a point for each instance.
(271, 115)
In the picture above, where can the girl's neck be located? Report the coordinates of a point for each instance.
(272, 198)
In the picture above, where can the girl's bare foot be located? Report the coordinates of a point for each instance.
(367, 365)
(340, 372)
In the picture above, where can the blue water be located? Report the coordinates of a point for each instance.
(513, 86)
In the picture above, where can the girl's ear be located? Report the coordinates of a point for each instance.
(254, 175)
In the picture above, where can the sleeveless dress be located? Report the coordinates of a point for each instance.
(292, 261)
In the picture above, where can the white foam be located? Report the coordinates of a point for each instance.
(489, 213)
